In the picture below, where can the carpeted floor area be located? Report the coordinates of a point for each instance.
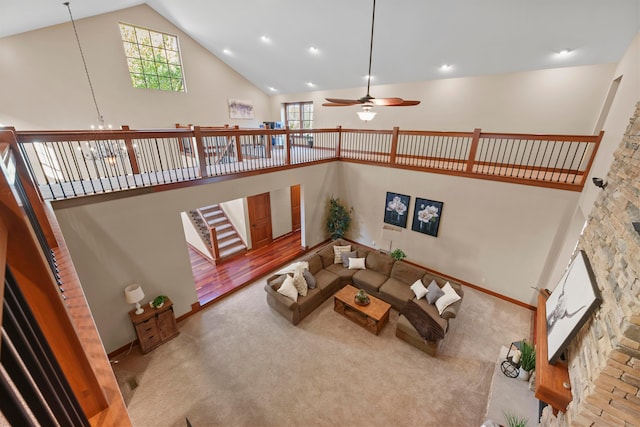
(239, 363)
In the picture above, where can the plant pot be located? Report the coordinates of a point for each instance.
(523, 375)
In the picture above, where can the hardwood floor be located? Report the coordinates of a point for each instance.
(216, 281)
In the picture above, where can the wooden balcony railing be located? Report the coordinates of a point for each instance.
(66, 164)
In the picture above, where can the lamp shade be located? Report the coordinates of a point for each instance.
(133, 293)
(366, 115)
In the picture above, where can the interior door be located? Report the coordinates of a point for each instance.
(260, 219)
(295, 208)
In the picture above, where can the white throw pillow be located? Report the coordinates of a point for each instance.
(337, 253)
(356, 264)
(288, 289)
(419, 289)
(299, 282)
(450, 296)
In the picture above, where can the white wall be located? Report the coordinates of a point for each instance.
(492, 234)
(561, 100)
(280, 212)
(236, 211)
(141, 239)
(45, 86)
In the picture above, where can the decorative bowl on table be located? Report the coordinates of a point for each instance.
(361, 298)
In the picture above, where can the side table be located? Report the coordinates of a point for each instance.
(155, 325)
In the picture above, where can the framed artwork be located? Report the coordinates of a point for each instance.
(396, 209)
(426, 216)
(570, 305)
(239, 109)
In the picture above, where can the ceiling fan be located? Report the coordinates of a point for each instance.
(369, 101)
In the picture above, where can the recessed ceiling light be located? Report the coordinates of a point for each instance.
(226, 51)
(313, 49)
(311, 84)
(273, 89)
(368, 77)
(565, 52)
(265, 39)
(446, 67)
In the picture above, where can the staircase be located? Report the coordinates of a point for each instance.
(228, 242)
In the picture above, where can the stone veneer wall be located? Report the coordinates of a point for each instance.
(604, 359)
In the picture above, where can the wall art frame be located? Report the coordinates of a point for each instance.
(396, 209)
(570, 305)
(426, 216)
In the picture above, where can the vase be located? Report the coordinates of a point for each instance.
(523, 375)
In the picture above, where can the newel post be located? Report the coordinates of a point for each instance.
(474, 148)
(202, 159)
(287, 155)
(128, 142)
(394, 145)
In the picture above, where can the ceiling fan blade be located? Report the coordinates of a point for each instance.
(386, 101)
(344, 101)
(331, 104)
(405, 103)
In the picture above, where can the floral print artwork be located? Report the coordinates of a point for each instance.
(426, 216)
(396, 209)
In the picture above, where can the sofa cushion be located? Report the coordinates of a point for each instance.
(288, 289)
(419, 289)
(327, 256)
(450, 296)
(396, 293)
(308, 277)
(379, 262)
(434, 292)
(370, 280)
(338, 251)
(338, 269)
(357, 264)
(315, 263)
(310, 301)
(406, 273)
(327, 282)
(345, 257)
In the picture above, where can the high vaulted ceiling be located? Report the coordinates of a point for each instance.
(413, 38)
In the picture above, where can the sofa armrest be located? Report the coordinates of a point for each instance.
(452, 311)
(281, 299)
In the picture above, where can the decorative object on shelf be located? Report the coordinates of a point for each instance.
(362, 298)
(527, 359)
(133, 293)
(368, 101)
(570, 305)
(396, 209)
(398, 254)
(338, 218)
(426, 216)
(158, 301)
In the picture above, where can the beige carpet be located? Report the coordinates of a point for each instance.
(239, 363)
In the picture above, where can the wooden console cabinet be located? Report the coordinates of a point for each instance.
(155, 325)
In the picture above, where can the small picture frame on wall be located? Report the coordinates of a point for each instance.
(426, 216)
(396, 209)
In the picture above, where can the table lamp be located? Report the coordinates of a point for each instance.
(134, 295)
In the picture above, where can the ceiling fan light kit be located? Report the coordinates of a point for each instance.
(368, 101)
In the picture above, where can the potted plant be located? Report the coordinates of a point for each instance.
(514, 420)
(527, 359)
(398, 254)
(338, 218)
(361, 297)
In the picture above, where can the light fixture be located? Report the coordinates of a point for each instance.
(273, 89)
(134, 295)
(226, 51)
(445, 67)
(313, 49)
(565, 52)
(86, 70)
(599, 182)
(311, 84)
(265, 39)
(366, 114)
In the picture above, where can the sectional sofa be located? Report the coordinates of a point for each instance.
(383, 277)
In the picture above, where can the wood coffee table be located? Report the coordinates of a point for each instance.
(371, 317)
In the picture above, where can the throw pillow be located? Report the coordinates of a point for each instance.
(356, 264)
(450, 296)
(345, 257)
(299, 282)
(291, 268)
(434, 292)
(288, 290)
(308, 277)
(419, 289)
(337, 252)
